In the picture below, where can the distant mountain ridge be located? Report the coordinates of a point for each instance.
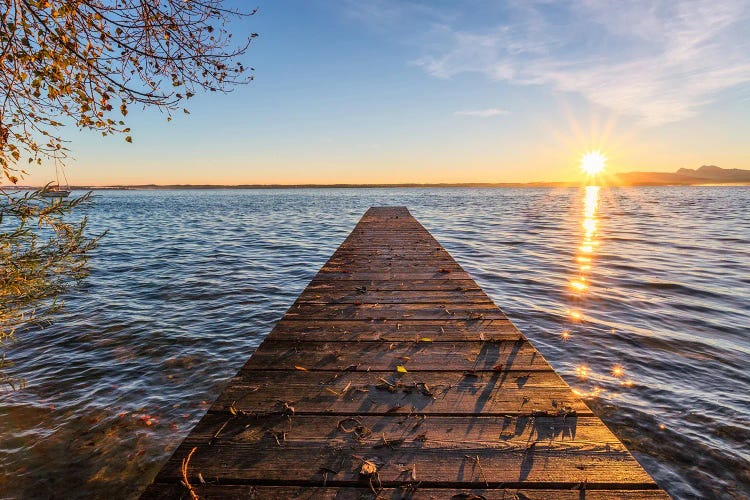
(715, 173)
(707, 174)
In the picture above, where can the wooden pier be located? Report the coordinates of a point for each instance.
(394, 375)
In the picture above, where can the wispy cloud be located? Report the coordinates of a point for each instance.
(658, 61)
(388, 15)
(482, 113)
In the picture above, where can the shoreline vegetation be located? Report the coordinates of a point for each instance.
(707, 175)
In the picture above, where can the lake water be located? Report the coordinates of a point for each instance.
(639, 297)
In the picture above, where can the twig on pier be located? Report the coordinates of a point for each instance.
(475, 459)
(286, 409)
(184, 470)
(388, 443)
(386, 385)
(339, 394)
(411, 469)
(276, 436)
(216, 434)
(359, 430)
(424, 389)
(325, 471)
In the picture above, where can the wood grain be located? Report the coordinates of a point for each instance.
(410, 492)
(417, 355)
(393, 358)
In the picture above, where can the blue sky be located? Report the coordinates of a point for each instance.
(410, 91)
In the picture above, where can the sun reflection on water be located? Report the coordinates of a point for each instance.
(586, 249)
(580, 285)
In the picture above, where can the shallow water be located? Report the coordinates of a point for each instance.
(187, 283)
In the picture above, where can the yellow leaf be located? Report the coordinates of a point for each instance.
(401, 369)
(368, 469)
(425, 339)
(300, 368)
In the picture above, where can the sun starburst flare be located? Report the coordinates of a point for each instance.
(593, 163)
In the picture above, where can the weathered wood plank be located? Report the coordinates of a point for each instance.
(394, 276)
(394, 285)
(364, 266)
(394, 250)
(407, 492)
(364, 296)
(416, 431)
(490, 393)
(379, 263)
(477, 311)
(340, 464)
(271, 438)
(405, 330)
(355, 252)
(386, 356)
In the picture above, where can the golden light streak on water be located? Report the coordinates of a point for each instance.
(578, 285)
(588, 245)
(593, 393)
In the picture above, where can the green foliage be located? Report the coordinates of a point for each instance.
(42, 253)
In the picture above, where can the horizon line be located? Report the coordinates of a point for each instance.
(538, 184)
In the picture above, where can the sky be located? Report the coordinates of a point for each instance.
(393, 91)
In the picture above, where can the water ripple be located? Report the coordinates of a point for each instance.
(188, 283)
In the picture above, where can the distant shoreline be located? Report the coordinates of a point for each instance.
(207, 187)
(707, 175)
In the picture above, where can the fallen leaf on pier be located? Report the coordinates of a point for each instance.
(368, 469)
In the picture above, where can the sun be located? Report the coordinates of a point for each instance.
(592, 163)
